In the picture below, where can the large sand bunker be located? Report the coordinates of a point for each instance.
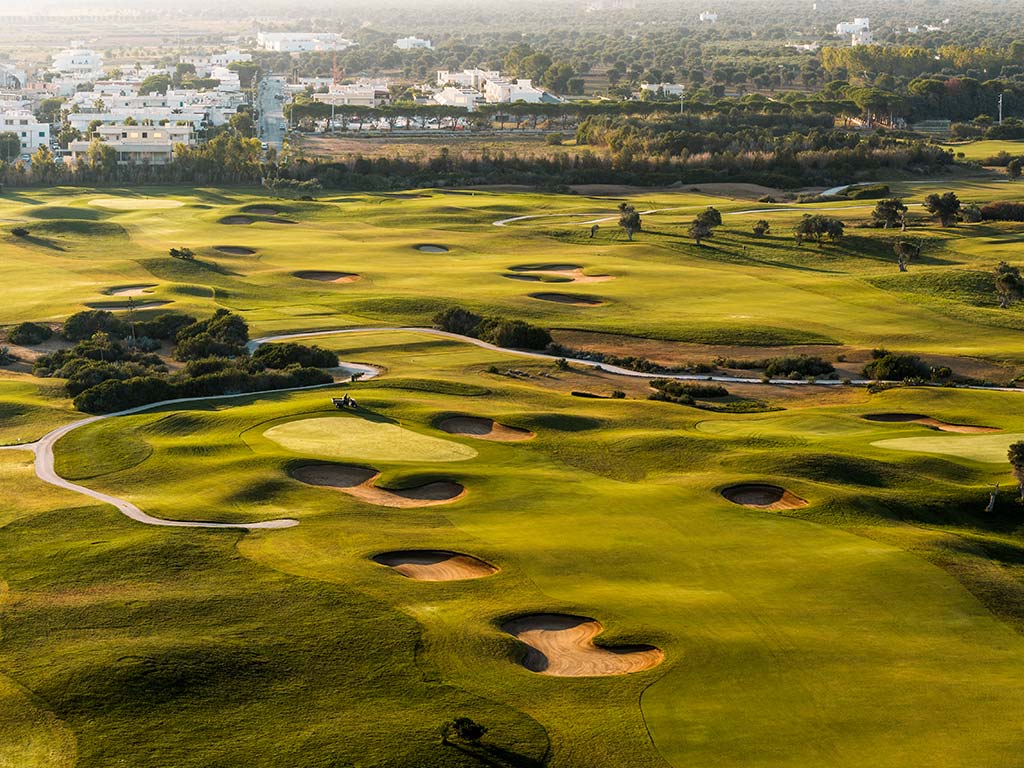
(928, 421)
(234, 250)
(351, 437)
(562, 645)
(763, 496)
(431, 248)
(484, 429)
(130, 290)
(559, 272)
(358, 482)
(242, 220)
(326, 276)
(435, 564)
(569, 298)
(135, 203)
(261, 210)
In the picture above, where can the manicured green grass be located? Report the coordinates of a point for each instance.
(368, 439)
(990, 449)
(984, 149)
(783, 636)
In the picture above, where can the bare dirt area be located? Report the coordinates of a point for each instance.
(358, 482)
(484, 429)
(435, 564)
(563, 646)
(763, 496)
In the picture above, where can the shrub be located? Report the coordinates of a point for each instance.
(223, 335)
(19, 232)
(27, 334)
(673, 391)
(83, 325)
(164, 326)
(1002, 211)
(283, 355)
(553, 140)
(797, 366)
(515, 334)
(185, 254)
(458, 320)
(888, 366)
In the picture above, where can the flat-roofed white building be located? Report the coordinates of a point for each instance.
(78, 61)
(412, 43)
(361, 94)
(510, 91)
(298, 42)
(467, 78)
(453, 96)
(668, 89)
(137, 144)
(852, 27)
(29, 130)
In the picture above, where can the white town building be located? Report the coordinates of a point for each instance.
(510, 91)
(852, 27)
(29, 130)
(12, 77)
(361, 94)
(454, 96)
(413, 43)
(668, 89)
(299, 42)
(864, 37)
(709, 17)
(78, 62)
(137, 144)
(467, 78)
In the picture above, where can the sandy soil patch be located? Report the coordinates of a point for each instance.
(562, 646)
(573, 272)
(234, 250)
(568, 298)
(435, 564)
(130, 290)
(135, 203)
(358, 482)
(484, 429)
(928, 421)
(114, 306)
(763, 496)
(326, 276)
(430, 248)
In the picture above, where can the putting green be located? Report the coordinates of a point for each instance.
(341, 437)
(135, 203)
(989, 449)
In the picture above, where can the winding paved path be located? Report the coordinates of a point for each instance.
(43, 448)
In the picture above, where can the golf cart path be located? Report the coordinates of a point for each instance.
(43, 448)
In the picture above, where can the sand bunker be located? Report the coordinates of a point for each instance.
(113, 306)
(234, 250)
(130, 290)
(326, 276)
(568, 298)
(484, 429)
(562, 645)
(567, 272)
(261, 210)
(358, 483)
(242, 220)
(763, 496)
(435, 564)
(135, 203)
(928, 421)
(428, 248)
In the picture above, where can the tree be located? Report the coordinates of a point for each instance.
(10, 146)
(1016, 457)
(629, 219)
(242, 124)
(819, 228)
(1009, 285)
(888, 213)
(905, 251)
(762, 228)
(1013, 169)
(710, 216)
(463, 729)
(699, 230)
(946, 207)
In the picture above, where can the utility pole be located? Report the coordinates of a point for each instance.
(1000, 109)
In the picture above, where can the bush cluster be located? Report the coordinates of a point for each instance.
(27, 334)
(685, 392)
(502, 332)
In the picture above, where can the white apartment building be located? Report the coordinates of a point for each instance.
(78, 62)
(669, 89)
(298, 42)
(508, 91)
(204, 63)
(137, 144)
(412, 43)
(12, 77)
(467, 78)
(361, 94)
(32, 133)
(864, 37)
(708, 17)
(852, 27)
(454, 96)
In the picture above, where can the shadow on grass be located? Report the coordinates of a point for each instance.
(42, 242)
(497, 757)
